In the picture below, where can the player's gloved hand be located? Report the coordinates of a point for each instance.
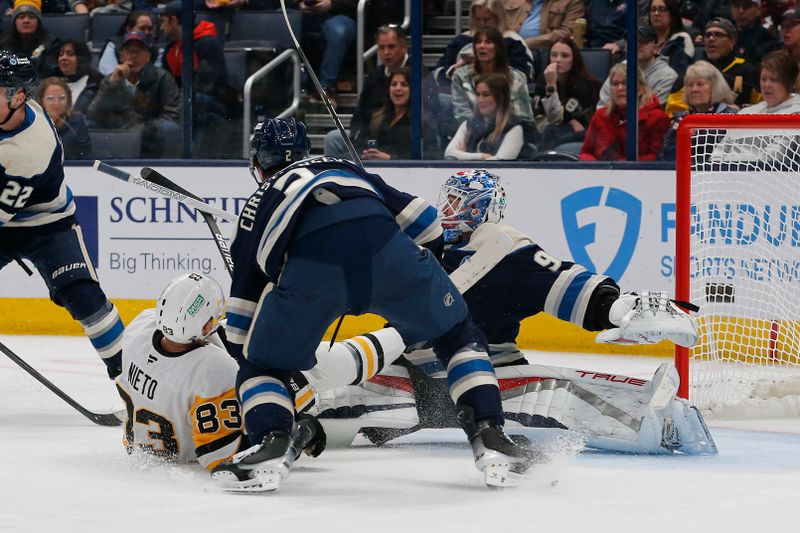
(316, 445)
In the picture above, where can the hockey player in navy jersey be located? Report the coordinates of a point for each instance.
(37, 211)
(320, 238)
(612, 412)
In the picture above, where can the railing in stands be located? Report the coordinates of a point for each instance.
(362, 55)
(248, 89)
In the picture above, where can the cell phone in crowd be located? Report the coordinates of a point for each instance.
(372, 143)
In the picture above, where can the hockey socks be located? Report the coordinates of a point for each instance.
(472, 382)
(267, 405)
(104, 329)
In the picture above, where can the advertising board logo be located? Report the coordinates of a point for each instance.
(580, 237)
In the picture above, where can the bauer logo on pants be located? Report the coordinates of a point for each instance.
(622, 239)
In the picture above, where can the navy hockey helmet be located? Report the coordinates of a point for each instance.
(16, 73)
(468, 199)
(277, 143)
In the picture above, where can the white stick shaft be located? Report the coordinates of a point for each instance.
(105, 168)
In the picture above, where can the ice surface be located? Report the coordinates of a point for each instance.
(59, 472)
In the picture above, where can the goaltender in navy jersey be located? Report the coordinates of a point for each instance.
(268, 221)
(32, 188)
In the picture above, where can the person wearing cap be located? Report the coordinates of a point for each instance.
(50, 6)
(753, 40)
(742, 77)
(210, 78)
(139, 94)
(659, 75)
(790, 31)
(28, 36)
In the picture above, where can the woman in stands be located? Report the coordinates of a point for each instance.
(565, 96)
(705, 91)
(28, 36)
(673, 42)
(55, 97)
(72, 62)
(778, 78)
(493, 132)
(606, 136)
(140, 21)
(482, 14)
(490, 57)
(388, 134)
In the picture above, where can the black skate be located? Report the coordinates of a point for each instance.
(259, 468)
(501, 460)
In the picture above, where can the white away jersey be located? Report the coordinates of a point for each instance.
(181, 406)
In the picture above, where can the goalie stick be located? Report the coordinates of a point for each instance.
(101, 419)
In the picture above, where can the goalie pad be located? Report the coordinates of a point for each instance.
(609, 411)
(649, 318)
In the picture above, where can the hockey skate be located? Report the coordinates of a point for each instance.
(648, 318)
(501, 460)
(262, 467)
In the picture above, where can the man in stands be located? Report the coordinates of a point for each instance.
(209, 80)
(753, 40)
(742, 76)
(139, 94)
(393, 51)
(790, 31)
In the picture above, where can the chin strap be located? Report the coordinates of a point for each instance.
(11, 112)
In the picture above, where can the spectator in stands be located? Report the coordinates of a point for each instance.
(139, 94)
(51, 6)
(700, 13)
(483, 14)
(73, 65)
(136, 22)
(393, 52)
(335, 21)
(657, 72)
(28, 36)
(55, 98)
(210, 79)
(606, 25)
(230, 5)
(742, 77)
(778, 81)
(673, 42)
(565, 96)
(493, 131)
(541, 22)
(490, 56)
(753, 40)
(790, 31)
(388, 133)
(705, 91)
(607, 133)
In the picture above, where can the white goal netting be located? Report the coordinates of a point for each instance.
(745, 271)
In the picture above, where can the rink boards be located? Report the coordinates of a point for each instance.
(615, 221)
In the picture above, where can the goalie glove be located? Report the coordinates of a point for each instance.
(649, 318)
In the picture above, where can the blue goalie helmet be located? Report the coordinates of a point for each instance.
(467, 200)
(277, 143)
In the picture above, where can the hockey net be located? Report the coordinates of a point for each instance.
(738, 258)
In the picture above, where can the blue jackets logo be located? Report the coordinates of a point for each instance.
(580, 237)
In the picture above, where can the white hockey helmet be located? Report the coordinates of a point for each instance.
(468, 199)
(187, 304)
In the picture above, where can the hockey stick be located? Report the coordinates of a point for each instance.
(101, 419)
(320, 90)
(169, 189)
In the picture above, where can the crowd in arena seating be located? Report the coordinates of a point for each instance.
(520, 82)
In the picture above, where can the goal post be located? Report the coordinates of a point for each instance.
(737, 256)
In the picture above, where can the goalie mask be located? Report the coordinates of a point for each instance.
(186, 305)
(467, 200)
(277, 143)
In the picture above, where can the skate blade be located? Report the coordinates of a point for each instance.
(262, 482)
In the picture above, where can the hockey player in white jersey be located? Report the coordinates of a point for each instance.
(179, 382)
(37, 211)
(613, 412)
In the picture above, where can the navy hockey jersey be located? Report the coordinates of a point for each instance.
(32, 188)
(270, 217)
